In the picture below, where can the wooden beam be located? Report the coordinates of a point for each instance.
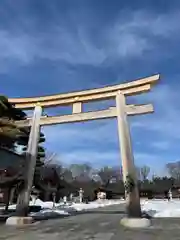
(84, 99)
(77, 107)
(88, 116)
(120, 87)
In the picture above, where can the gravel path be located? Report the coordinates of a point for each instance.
(99, 224)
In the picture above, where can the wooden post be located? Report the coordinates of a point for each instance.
(22, 207)
(77, 107)
(132, 197)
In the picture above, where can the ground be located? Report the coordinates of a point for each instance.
(98, 224)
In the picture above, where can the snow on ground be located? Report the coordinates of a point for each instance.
(161, 208)
(66, 209)
(155, 208)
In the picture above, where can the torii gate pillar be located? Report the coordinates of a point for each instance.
(132, 197)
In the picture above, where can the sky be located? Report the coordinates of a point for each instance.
(57, 46)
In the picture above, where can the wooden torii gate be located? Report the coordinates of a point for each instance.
(120, 111)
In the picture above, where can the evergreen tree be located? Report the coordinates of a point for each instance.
(9, 132)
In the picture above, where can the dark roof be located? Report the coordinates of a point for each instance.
(49, 172)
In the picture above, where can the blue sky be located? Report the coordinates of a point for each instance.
(48, 47)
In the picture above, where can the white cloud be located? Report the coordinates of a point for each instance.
(143, 157)
(83, 133)
(96, 158)
(165, 119)
(130, 36)
(93, 142)
(62, 44)
(161, 145)
(59, 44)
(135, 32)
(14, 46)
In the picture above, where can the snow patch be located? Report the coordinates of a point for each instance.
(95, 204)
(45, 212)
(161, 208)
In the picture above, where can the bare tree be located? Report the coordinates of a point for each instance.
(110, 174)
(67, 175)
(144, 171)
(94, 175)
(51, 158)
(81, 172)
(117, 173)
(174, 170)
